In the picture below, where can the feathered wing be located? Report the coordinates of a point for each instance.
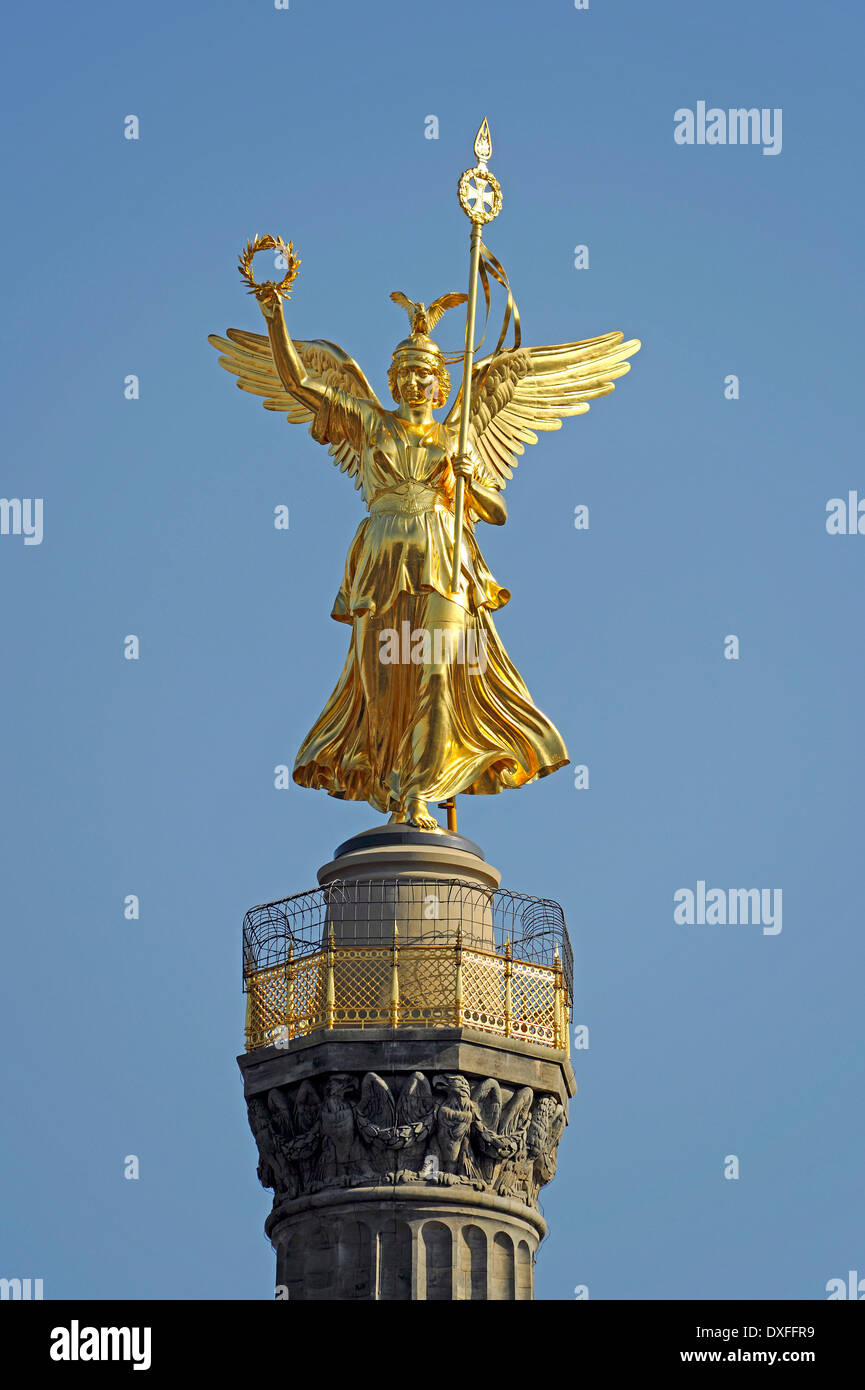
(307, 1106)
(421, 318)
(522, 390)
(248, 357)
(376, 1103)
(415, 1100)
(404, 303)
(487, 1096)
(518, 1111)
(438, 307)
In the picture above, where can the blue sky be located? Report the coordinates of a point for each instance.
(707, 514)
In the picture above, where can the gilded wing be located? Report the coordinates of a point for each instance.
(421, 318)
(249, 358)
(438, 307)
(523, 390)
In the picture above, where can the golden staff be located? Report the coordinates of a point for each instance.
(481, 200)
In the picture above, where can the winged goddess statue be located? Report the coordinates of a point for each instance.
(429, 704)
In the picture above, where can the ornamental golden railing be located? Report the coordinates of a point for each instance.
(407, 953)
(427, 986)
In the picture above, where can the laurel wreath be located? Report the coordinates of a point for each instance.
(270, 288)
(482, 215)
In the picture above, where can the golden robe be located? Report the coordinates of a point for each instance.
(417, 715)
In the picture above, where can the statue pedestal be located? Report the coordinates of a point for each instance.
(408, 1106)
(410, 879)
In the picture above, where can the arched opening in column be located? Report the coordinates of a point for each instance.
(356, 1274)
(319, 1263)
(394, 1262)
(524, 1270)
(439, 1253)
(475, 1262)
(502, 1278)
(289, 1270)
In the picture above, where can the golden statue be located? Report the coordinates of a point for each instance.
(429, 704)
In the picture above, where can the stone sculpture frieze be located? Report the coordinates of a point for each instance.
(441, 1128)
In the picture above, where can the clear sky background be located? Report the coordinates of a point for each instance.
(707, 515)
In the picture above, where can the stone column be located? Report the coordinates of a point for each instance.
(406, 1161)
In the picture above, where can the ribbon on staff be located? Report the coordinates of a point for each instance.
(490, 267)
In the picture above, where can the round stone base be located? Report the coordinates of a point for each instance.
(426, 885)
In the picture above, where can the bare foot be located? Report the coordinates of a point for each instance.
(419, 815)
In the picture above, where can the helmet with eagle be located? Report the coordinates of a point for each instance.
(418, 349)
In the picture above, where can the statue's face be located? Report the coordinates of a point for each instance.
(417, 383)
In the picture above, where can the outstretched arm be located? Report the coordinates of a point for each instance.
(292, 372)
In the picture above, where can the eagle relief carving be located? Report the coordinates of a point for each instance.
(347, 1131)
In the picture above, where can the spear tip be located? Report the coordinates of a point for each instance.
(483, 142)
